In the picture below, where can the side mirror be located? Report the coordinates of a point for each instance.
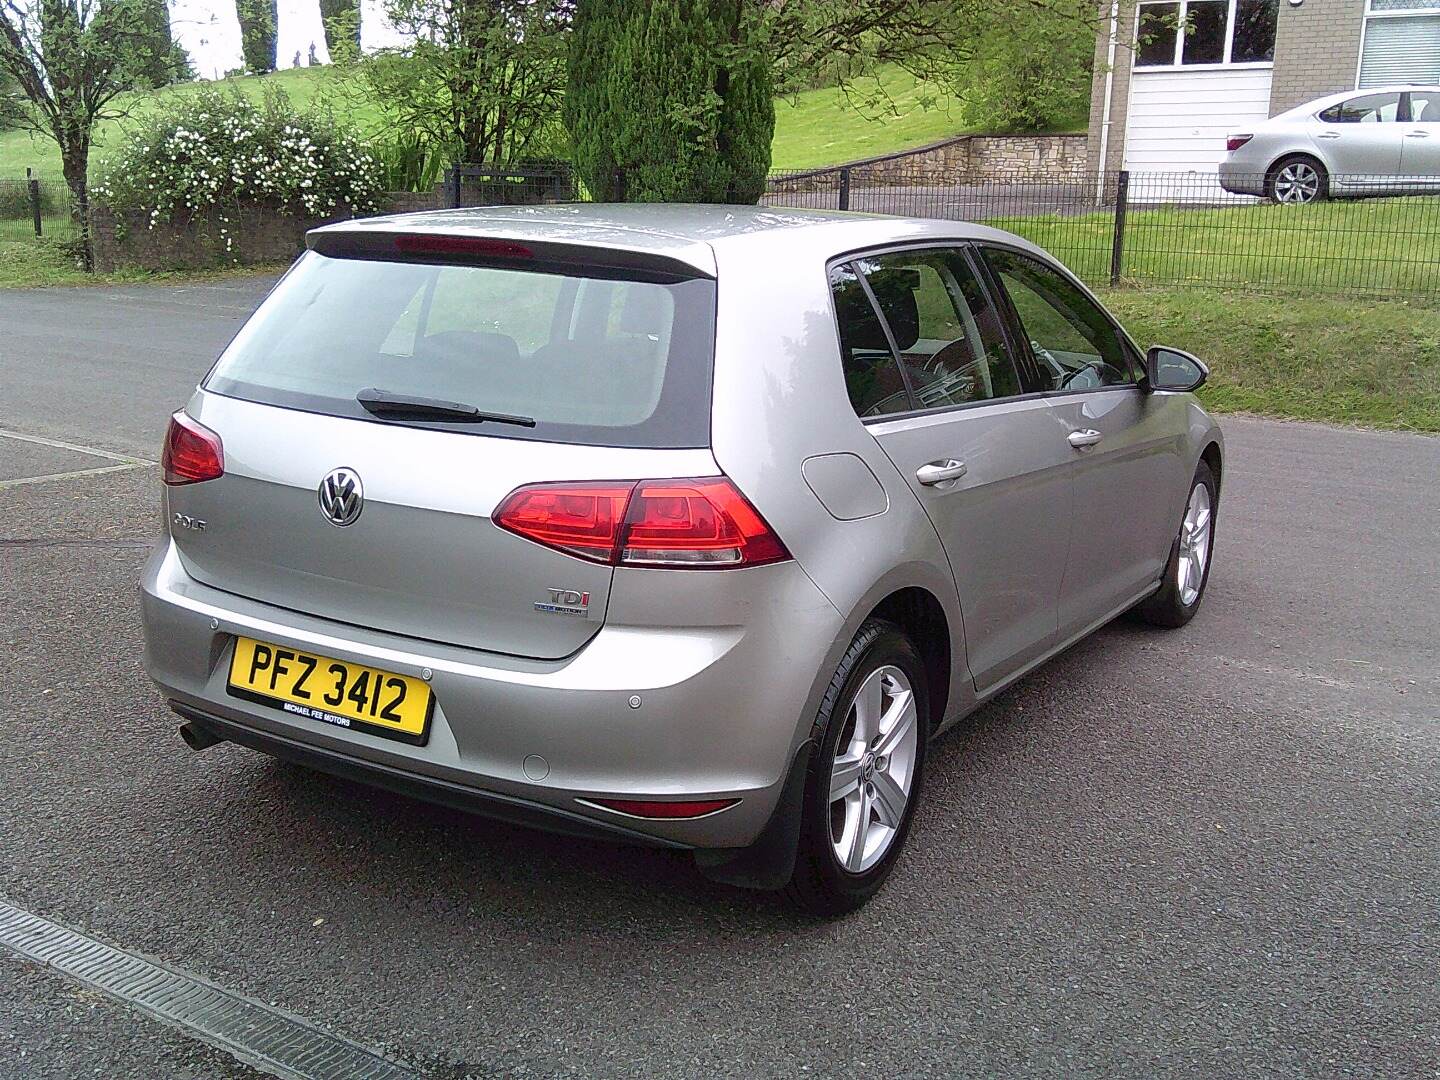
(1173, 370)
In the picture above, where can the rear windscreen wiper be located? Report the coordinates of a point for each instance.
(392, 406)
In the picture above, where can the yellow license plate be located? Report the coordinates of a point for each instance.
(333, 691)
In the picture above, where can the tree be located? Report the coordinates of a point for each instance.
(71, 58)
(12, 102)
(481, 79)
(1027, 75)
(165, 61)
(341, 19)
(671, 100)
(259, 26)
(1018, 64)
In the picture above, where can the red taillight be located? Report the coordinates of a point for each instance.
(696, 523)
(579, 519)
(669, 810)
(1234, 142)
(699, 524)
(192, 452)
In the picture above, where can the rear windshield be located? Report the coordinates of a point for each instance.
(598, 360)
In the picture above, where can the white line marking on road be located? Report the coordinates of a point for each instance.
(260, 1035)
(1288, 673)
(100, 471)
(58, 445)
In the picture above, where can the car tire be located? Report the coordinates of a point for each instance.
(885, 758)
(1183, 588)
(1297, 179)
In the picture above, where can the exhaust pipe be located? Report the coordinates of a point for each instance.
(197, 737)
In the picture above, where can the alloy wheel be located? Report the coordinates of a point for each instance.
(873, 772)
(1297, 182)
(1195, 532)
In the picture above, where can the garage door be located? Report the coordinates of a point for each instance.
(1177, 120)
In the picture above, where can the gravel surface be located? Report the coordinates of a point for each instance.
(1208, 852)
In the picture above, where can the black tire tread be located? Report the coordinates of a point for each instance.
(1163, 607)
(807, 889)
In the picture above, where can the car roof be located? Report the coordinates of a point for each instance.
(690, 234)
(1316, 104)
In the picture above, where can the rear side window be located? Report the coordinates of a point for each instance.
(593, 360)
(950, 350)
(1370, 109)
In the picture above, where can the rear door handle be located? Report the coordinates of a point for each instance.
(937, 472)
(1417, 134)
(1084, 438)
(1328, 135)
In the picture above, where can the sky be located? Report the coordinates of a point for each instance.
(211, 35)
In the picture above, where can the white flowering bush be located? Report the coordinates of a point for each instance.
(220, 151)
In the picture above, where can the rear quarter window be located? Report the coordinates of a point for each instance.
(591, 358)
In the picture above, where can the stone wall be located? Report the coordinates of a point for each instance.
(253, 235)
(970, 159)
(257, 235)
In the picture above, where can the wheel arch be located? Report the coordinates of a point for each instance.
(921, 617)
(1214, 457)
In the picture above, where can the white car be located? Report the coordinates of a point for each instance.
(1380, 141)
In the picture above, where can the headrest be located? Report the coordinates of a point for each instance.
(895, 291)
(467, 345)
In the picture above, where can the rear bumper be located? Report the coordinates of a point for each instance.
(1242, 179)
(723, 706)
(472, 800)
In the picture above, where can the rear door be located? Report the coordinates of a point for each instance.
(601, 376)
(1124, 447)
(1361, 139)
(1420, 139)
(936, 384)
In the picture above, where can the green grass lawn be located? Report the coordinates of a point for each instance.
(1373, 364)
(29, 263)
(1385, 246)
(817, 127)
(822, 127)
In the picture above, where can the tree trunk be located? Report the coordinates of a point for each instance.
(75, 164)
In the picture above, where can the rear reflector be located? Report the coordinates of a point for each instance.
(192, 452)
(665, 810)
(423, 244)
(1234, 142)
(695, 524)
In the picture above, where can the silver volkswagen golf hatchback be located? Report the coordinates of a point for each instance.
(687, 526)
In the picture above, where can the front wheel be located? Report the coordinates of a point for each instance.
(860, 795)
(1188, 570)
(1298, 180)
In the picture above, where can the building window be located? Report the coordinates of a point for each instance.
(1254, 40)
(1402, 43)
(1208, 32)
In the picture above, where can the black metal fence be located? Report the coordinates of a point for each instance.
(1372, 235)
(35, 209)
(1375, 236)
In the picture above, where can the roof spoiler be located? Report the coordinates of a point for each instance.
(513, 252)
